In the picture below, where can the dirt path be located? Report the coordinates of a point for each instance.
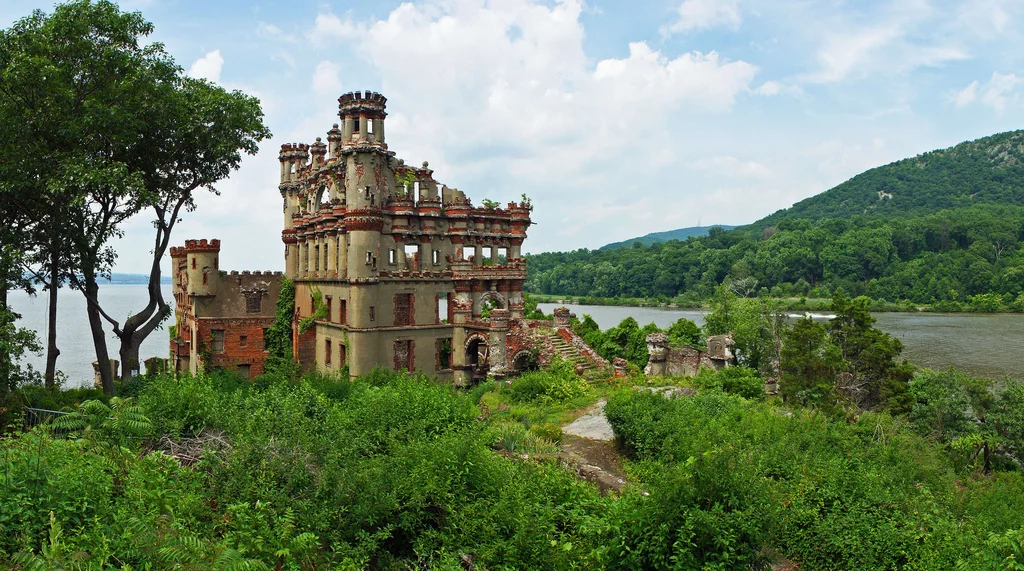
(589, 445)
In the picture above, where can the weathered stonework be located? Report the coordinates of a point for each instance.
(406, 265)
(684, 360)
(220, 317)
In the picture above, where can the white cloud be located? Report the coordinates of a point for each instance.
(208, 67)
(704, 14)
(772, 88)
(272, 32)
(998, 92)
(327, 79)
(890, 40)
(329, 28)
(967, 95)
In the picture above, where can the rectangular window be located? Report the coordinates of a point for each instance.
(404, 309)
(341, 354)
(193, 262)
(444, 353)
(343, 318)
(355, 124)
(437, 257)
(404, 360)
(369, 258)
(392, 258)
(373, 313)
(316, 259)
(330, 308)
(327, 352)
(217, 340)
(253, 302)
(245, 371)
(206, 277)
(441, 306)
(243, 340)
(265, 330)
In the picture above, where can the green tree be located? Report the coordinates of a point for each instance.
(809, 363)
(131, 135)
(873, 377)
(957, 410)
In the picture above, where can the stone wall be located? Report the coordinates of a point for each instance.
(684, 360)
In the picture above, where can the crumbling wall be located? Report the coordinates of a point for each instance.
(684, 360)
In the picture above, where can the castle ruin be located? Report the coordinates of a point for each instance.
(391, 267)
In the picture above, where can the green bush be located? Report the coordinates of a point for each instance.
(742, 381)
(558, 383)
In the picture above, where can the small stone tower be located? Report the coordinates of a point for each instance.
(201, 257)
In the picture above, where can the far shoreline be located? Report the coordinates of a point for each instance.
(786, 303)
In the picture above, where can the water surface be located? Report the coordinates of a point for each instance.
(73, 337)
(989, 345)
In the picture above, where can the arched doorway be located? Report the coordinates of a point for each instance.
(477, 352)
(524, 360)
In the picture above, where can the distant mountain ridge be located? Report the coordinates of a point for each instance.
(989, 170)
(944, 228)
(655, 237)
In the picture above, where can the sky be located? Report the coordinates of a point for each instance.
(616, 118)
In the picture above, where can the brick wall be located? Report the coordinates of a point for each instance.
(306, 349)
(243, 342)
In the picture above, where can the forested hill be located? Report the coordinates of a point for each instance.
(677, 234)
(945, 227)
(989, 170)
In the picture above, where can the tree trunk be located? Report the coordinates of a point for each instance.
(129, 355)
(99, 339)
(5, 360)
(51, 326)
(139, 326)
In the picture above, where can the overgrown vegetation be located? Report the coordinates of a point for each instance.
(397, 471)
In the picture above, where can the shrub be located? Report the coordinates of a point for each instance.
(557, 384)
(742, 381)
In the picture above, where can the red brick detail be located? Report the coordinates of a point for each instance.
(306, 349)
(243, 342)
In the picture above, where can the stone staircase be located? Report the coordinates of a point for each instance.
(569, 352)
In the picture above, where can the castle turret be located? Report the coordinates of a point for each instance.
(201, 257)
(362, 118)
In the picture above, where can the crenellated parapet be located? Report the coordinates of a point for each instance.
(203, 245)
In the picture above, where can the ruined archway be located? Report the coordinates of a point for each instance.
(494, 298)
(318, 199)
(477, 352)
(523, 361)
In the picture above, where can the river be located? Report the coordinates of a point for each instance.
(73, 338)
(980, 344)
(986, 345)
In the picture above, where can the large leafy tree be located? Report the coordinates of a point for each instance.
(129, 135)
(873, 376)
